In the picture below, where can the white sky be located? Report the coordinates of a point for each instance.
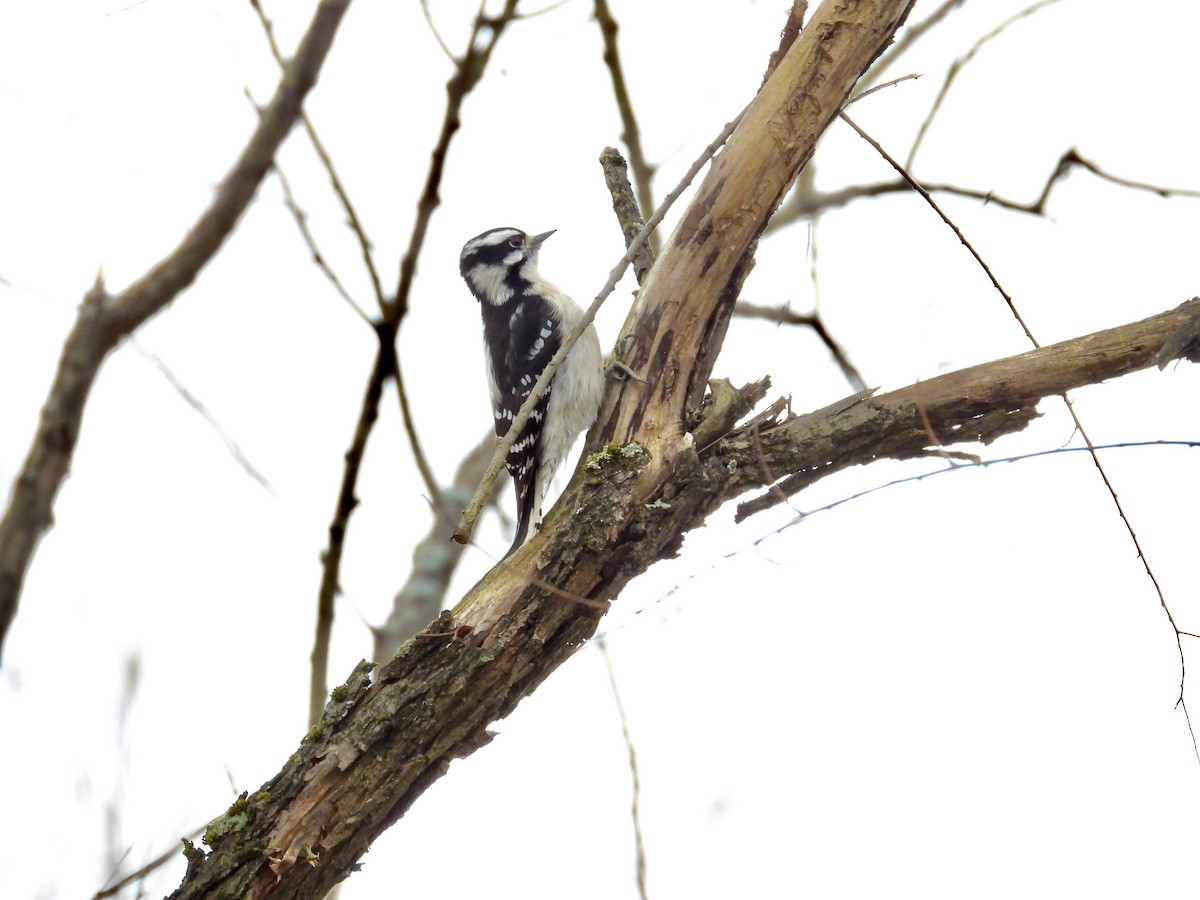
(958, 687)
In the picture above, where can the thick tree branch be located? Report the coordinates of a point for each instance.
(378, 746)
(975, 405)
(685, 304)
(106, 318)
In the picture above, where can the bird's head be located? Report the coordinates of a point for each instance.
(499, 262)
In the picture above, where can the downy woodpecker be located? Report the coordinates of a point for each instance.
(525, 319)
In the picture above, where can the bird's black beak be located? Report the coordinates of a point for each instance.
(537, 239)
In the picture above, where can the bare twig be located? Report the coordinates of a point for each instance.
(437, 36)
(643, 172)
(104, 319)
(916, 186)
(911, 34)
(958, 65)
(485, 33)
(625, 205)
(195, 403)
(635, 802)
(863, 94)
(335, 181)
(158, 862)
(331, 559)
(806, 514)
(785, 316)
(801, 205)
(300, 217)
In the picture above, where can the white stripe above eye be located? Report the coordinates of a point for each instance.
(491, 239)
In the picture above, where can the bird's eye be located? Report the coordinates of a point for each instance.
(516, 243)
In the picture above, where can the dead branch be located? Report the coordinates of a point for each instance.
(805, 205)
(643, 172)
(975, 405)
(380, 745)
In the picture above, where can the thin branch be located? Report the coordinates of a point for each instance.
(335, 181)
(959, 64)
(625, 206)
(195, 403)
(470, 69)
(635, 802)
(643, 172)
(916, 186)
(863, 94)
(485, 33)
(467, 523)
(908, 37)
(410, 429)
(300, 217)
(785, 316)
(158, 862)
(803, 206)
(437, 35)
(804, 515)
(1072, 158)
(104, 319)
(331, 558)
(983, 464)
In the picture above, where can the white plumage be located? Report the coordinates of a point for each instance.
(525, 319)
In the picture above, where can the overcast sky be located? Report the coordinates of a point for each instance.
(963, 686)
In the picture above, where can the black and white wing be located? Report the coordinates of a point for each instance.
(528, 338)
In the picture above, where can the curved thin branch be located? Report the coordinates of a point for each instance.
(643, 172)
(105, 318)
(335, 180)
(959, 64)
(807, 205)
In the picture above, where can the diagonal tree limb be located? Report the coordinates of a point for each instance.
(106, 318)
(380, 745)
